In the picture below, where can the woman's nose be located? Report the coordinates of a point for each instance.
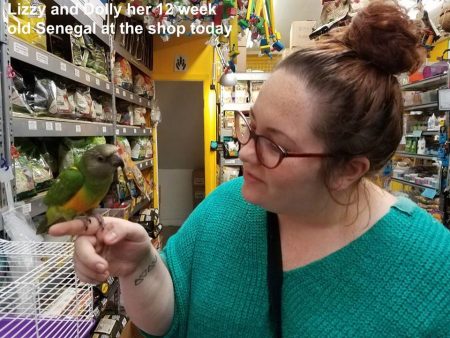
(247, 153)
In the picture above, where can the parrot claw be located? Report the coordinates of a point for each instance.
(100, 220)
(87, 221)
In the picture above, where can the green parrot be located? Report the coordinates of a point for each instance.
(81, 188)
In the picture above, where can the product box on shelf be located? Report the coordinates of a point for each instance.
(299, 34)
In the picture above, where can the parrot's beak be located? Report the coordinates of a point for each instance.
(117, 161)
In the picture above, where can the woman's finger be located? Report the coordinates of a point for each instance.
(86, 254)
(87, 275)
(76, 227)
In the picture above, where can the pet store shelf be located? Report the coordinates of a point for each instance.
(237, 106)
(426, 106)
(131, 97)
(145, 164)
(424, 133)
(231, 161)
(252, 76)
(127, 55)
(86, 21)
(38, 57)
(54, 127)
(37, 204)
(430, 83)
(413, 184)
(132, 131)
(141, 205)
(424, 157)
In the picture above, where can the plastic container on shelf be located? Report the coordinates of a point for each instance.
(430, 96)
(435, 69)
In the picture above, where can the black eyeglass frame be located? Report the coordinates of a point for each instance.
(282, 152)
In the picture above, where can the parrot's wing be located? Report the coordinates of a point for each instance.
(66, 185)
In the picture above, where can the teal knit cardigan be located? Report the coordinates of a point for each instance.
(393, 281)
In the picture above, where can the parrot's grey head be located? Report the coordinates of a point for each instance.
(101, 161)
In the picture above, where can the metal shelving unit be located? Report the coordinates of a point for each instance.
(423, 157)
(23, 125)
(437, 82)
(128, 96)
(237, 106)
(413, 184)
(86, 21)
(430, 83)
(20, 50)
(144, 164)
(231, 162)
(36, 204)
(427, 106)
(127, 55)
(54, 127)
(122, 130)
(227, 132)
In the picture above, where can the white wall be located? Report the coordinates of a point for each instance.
(176, 195)
(180, 146)
(287, 11)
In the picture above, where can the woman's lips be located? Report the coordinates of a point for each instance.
(249, 177)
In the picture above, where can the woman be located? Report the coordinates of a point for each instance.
(304, 245)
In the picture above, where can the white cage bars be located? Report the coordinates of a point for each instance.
(40, 295)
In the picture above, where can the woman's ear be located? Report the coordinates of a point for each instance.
(350, 173)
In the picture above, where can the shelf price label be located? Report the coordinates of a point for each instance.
(32, 125)
(42, 58)
(21, 49)
(63, 66)
(140, 100)
(88, 78)
(117, 132)
(124, 130)
(124, 93)
(107, 86)
(134, 130)
(77, 128)
(117, 91)
(97, 82)
(104, 130)
(77, 72)
(131, 96)
(58, 126)
(26, 208)
(49, 126)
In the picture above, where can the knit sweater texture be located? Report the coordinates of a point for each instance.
(393, 281)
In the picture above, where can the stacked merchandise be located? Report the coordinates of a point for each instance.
(133, 81)
(49, 95)
(89, 55)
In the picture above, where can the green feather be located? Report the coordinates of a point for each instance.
(65, 187)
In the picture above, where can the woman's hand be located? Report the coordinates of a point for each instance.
(115, 249)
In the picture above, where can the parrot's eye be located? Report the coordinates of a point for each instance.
(100, 158)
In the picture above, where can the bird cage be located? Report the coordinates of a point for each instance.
(40, 295)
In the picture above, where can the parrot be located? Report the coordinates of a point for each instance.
(80, 188)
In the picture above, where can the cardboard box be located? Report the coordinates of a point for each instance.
(131, 331)
(299, 36)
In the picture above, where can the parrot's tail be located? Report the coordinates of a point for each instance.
(42, 228)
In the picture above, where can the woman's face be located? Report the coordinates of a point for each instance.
(284, 112)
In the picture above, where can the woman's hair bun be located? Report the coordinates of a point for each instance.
(384, 35)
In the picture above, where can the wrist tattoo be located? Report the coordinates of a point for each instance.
(147, 270)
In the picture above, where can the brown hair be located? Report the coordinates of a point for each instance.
(350, 74)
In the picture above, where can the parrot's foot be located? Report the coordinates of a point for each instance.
(100, 220)
(87, 221)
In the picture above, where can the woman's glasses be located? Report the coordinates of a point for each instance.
(268, 152)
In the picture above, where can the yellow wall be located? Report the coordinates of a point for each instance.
(439, 49)
(199, 59)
